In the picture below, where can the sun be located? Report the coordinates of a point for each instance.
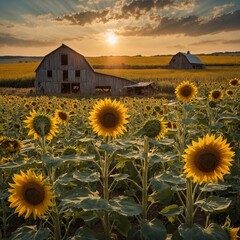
(111, 38)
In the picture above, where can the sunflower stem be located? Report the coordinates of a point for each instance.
(207, 220)
(4, 215)
(145, 178)
(210, 115)
(56, 222)
(106, 220)
(67, 131)
(189, 203)
(43, 152)
(4, 220)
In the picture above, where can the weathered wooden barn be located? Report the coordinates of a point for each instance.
(186, 61)
(66, 71)
(140, 88)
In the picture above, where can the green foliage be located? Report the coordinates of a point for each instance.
(140, 191)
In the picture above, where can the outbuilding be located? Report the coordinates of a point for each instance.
(186, 61)
(65, 71)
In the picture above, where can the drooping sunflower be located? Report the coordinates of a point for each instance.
(41, 125)
(154, 128)
(30, 194)
(208, 159)
(108, 118)
(216, 95)
(62, 117)
(234, 82)
(186, 91)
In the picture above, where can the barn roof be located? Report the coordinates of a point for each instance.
(192, 58)
(63, 45)
(104, 74)
(140, 84)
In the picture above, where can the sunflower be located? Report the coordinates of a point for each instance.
(70, 151)
(4, 160)
(108, 118)
(234, 82)
(229, 93)
(233, 233)
(171, 125)
(62, 117)
(41, 125)
(208, 159)
(30, 194)
(154, 128)
(186, 91)
(216, 95)
(10, 145)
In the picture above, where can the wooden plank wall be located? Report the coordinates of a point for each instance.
(88, 78)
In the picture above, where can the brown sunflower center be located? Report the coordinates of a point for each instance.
(207, 162)
(62, 116)
(234, 82)
(42, 125)
(34, 193)
(186, 91)
(109, 119)
(152, 128)
(216, 94)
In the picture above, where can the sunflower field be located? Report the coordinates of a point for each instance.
(126, 168)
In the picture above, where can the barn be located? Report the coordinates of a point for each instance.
(65, 71)
(186, 61)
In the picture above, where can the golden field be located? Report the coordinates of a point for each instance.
(27, 70)
(158, 60)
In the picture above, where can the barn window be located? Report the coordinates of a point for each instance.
(75, 88)
(64, 59)
(49, 73)
(65, 75)
(65, 88)
(103, 90)
(77, 73)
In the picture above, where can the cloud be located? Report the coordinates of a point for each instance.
(13, 41)
(217, 10)
(205, 42)
(188, 26)
(6, 25)
(86, 17)
(233, 41)
(122, 10)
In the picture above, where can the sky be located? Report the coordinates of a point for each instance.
(120, 27)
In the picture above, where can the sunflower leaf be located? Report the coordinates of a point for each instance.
(210, 187)
(171, 211)
(217, 231)
(10, 165)
(30, 233)
(85, 233)
(125, 206)
(194, 233)
(213, 203)
(86, 175)
(153, 230)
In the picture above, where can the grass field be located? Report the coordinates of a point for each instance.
(159, 60)
(25, 72)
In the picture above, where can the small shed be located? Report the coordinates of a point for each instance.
(65, 71)
(140, 88)
(186, 61)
